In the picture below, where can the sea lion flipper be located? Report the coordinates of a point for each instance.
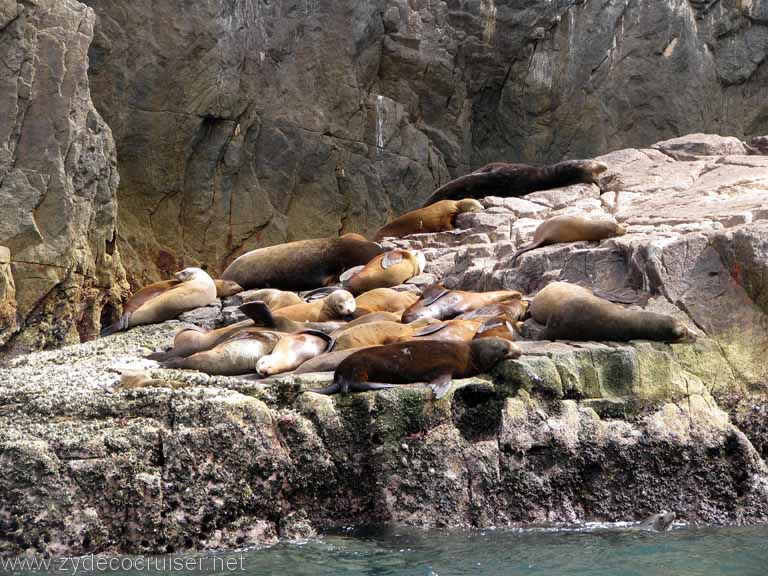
(391, 259)
(369, 386)
(118, 326)
(430, 329)
(348, 274)
(161, 355)
(328, 390)
(522, 250)
(432, 298)
(259, 312)
(330, 340)
(441, 385)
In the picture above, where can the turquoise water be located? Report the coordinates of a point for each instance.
(407, 552)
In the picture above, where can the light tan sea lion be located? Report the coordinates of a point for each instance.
(226, 288)
(514, 180)
(439, 302)
(301, 265)
(376, 334)
(566, 228)
(272, 297)
(438, 217)
(575, 315)
(450, 331)
(549, 297)
(435, 363)
(384, 271)
(262, 317)
(385, 300)
(192, 339)
(292, 351)
(374, 317)
(239, 354)
(192, 288)
(335, 306)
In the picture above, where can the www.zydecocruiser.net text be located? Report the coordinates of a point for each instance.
(149, 564)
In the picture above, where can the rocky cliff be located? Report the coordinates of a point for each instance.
(242, 123)
(571, 431)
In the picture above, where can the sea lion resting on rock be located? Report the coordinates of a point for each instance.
(238, 354)
(191, 288)
(385, 300)
(449, 331)
(272, 297)
(384, 271)
(439, 302)
(192, 339)
(513, 310)
(435, 363)
(500, 327)
(379, 333)
(226, 288)
(437, 217)
(573, 313)
(513, 180)
(292, 351)
(335, 306)
(301, 265)
(262, 316)
(567, 228)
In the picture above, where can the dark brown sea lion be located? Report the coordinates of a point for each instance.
(435, 363)
(384, 271)
(438, 217)
(568, 228)
(239, 354)
(192, 288)
(575, 314)
(512, 180)
(439, 302)
(385, 300)
(226, 288)
(262, 316)
(300, 265)
(292, 351)
(335, 306)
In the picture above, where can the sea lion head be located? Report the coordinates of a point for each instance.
(469, 205)
(682, 334)
(582, 170)
(225, 288)
(341, 302)
(487, 352)
(190, 274)
(660, 522)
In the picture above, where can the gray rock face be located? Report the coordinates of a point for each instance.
(58, 178)
(243, 124)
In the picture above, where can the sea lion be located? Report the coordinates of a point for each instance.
(335, 306)
(513, 310)
(548, 298)
(192, 339)
(377, 333)
(239, 354)
(385, 300)
(262, 316)
(437, 217)
(439, 302)
(500, 327)
(300, 265)
(325, 362)
(292, 351)
(191, 288)
(583, 316)
(375, 317)
(449, 331)
(272, 297)
(384, 271)
(514, 180)
(660, 522)
(567, 228)
(435, 363)
(226, 288)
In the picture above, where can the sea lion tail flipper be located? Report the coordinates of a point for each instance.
(622, 296)
(259, 312)
(441, 385)
(328, 390)
(522, 250)
(161, 355)
(174, 362)
(118, 326)
(368, 386)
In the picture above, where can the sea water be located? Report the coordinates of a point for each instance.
(588, 550)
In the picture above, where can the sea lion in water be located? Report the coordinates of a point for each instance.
(191, 288)
(335, 306)
(292, 351)
(300, 265)
(226, 288)
(384, 271)
(435, 363)
(575, 314)
(437, 217)
(262, 316)
(272, 297)
(660, 522)
(239, 354)
(514, 180)
(439, 302)
(567, 228)
(378, 333)
(386, 300)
